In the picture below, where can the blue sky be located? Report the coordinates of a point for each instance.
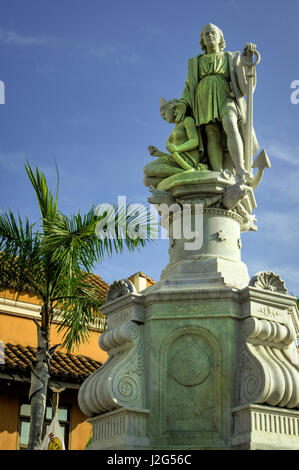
(83, 82)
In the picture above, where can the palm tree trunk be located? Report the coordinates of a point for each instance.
(38, 408)
(40, 375)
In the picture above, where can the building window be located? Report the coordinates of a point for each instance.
(24, 423)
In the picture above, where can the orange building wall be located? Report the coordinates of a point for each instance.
(10, 398)
(17, 329)
(20, 330)
(80, 429)
(9, 410)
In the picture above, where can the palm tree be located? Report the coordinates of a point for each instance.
(54, 260)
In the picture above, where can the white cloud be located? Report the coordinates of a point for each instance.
(288, 273)
(284, 153)
(282, 227)
(120, 52)
(13, 161)
(278, 233)
(15, 38)
(281, 186)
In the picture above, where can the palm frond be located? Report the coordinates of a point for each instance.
(47, 204)
(117, 227)
(20, 263)
(79, 309)
(68, 239)
(55, 263)
(77, 243)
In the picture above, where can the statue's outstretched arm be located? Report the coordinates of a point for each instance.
(155, 152)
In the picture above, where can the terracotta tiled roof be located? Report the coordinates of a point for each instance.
(100, 282)
(64, 366)
(149, 280)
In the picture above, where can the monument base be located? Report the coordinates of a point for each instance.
(211, 368)
(120, 429)
(204, 359)
(204, 273)
(259, 427)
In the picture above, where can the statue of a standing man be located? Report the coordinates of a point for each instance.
(214, 91)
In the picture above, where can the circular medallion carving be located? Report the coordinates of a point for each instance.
(127, 390)
(250, 386)
(131, 330)
(190, 366)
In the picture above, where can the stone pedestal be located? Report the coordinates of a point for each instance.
(259, 427)
(204, 359)
(217, 262)
(121, 429)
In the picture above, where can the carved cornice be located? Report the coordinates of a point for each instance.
(206, 211)
(224, 213)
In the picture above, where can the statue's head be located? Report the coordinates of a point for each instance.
(211, 33)
(167, 109)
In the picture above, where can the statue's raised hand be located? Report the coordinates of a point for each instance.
(180, 111)
(154, 151)
(249, 50)
(249, 47)
(171, 147)
(248, 54)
